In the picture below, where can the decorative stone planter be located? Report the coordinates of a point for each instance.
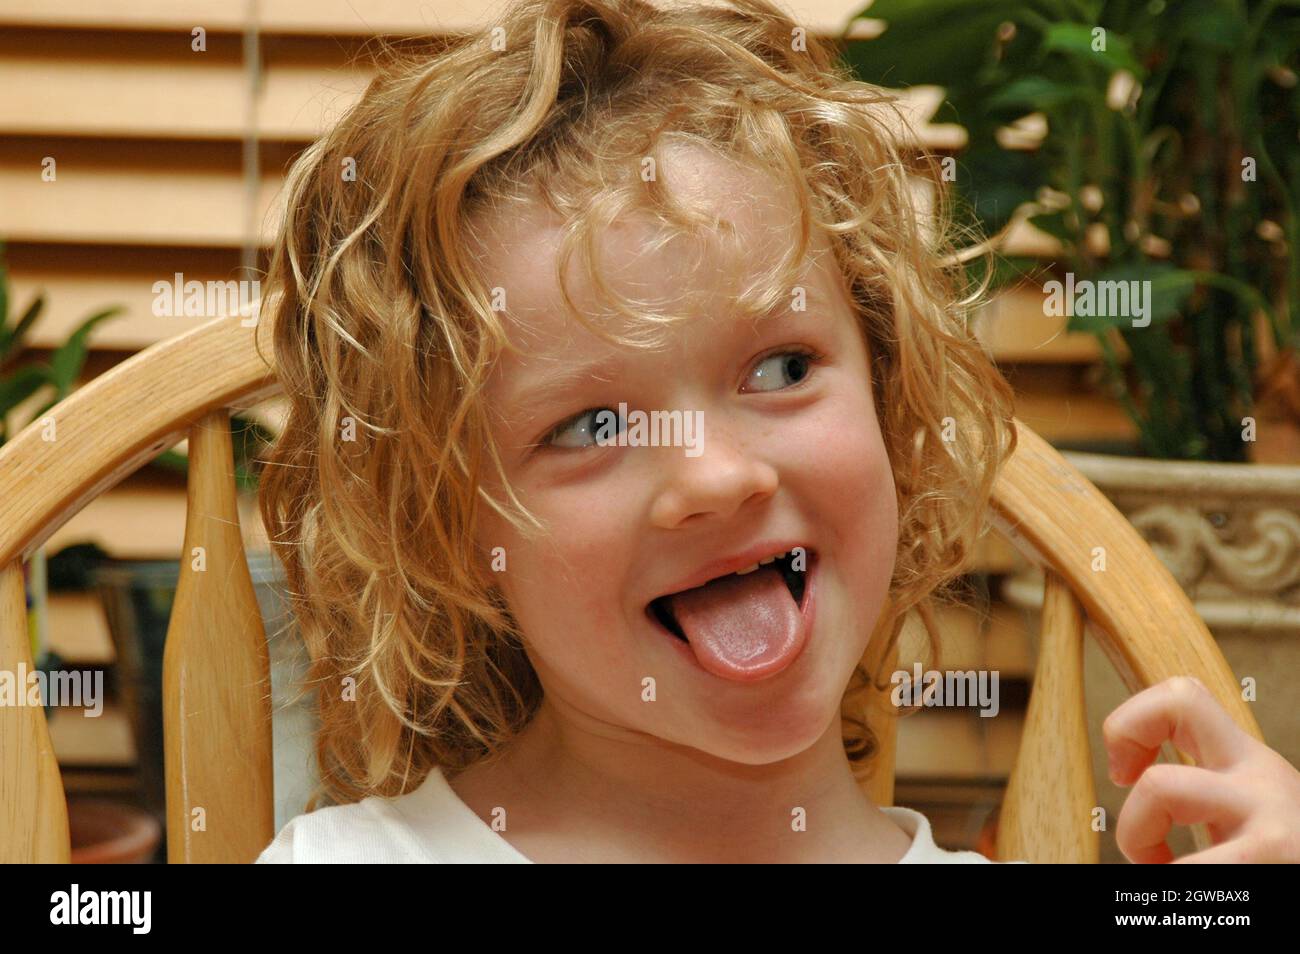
(1230, 535)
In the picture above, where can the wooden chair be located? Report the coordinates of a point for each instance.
(217, 711)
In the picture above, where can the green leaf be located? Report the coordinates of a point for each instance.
(1164, 297)
(995, 182)
(1211, 24)
(13, 338)
(172, 460)
(45, 408)
(1033, 94)
(944, 42)
(69, 359)
(22, 384)
(250, 438)
(1006, 270)
(1077, 40)
(1053, 223)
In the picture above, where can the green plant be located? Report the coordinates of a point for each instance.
(1171, 155)
(18, 382)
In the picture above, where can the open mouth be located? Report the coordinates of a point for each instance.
(796, 581)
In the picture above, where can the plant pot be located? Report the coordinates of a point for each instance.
(1230, 535)
(105, 832)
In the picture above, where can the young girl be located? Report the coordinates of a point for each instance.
(618, 349)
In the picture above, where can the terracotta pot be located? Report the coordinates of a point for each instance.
(105, 832)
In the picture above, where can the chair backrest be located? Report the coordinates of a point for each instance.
(217, 712)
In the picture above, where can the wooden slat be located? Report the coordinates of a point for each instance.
(113, 521)
(139, 87)
(1013, 328)
(33, 809)
(1046, 814)
(329, 17)
(216, 676)
(127, 14)
(975, 638)
(79, 280)
(103, 741)
(72, 296)
(957, 744)
(79, 633)
(1064, 416)
(143, 202)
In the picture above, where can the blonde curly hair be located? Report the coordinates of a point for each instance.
(383, 331)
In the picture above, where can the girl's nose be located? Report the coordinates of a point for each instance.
(724, 478)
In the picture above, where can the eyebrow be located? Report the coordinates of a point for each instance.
(562, 381)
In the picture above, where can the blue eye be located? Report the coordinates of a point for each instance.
(778, 371)
(792, 364)
(584, 428)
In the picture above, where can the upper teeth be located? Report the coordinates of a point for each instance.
(771, 559)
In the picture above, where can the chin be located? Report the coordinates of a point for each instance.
(761, 734)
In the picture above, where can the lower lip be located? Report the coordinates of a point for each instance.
(808, 612)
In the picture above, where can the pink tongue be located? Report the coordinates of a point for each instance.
(741, 627)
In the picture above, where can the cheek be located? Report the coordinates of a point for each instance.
(559, 586)
(850, 482)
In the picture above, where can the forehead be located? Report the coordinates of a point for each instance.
(517, 249)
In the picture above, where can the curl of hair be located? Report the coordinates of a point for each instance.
(384, 336)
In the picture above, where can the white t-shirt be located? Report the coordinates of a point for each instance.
(432, 825)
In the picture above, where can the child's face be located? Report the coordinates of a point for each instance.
(792, 455)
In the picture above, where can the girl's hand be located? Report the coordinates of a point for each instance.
(1247, 794)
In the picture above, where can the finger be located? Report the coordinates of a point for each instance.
(1168, 795)
(1260, 844)
(1234, 852)
(1181, 709)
